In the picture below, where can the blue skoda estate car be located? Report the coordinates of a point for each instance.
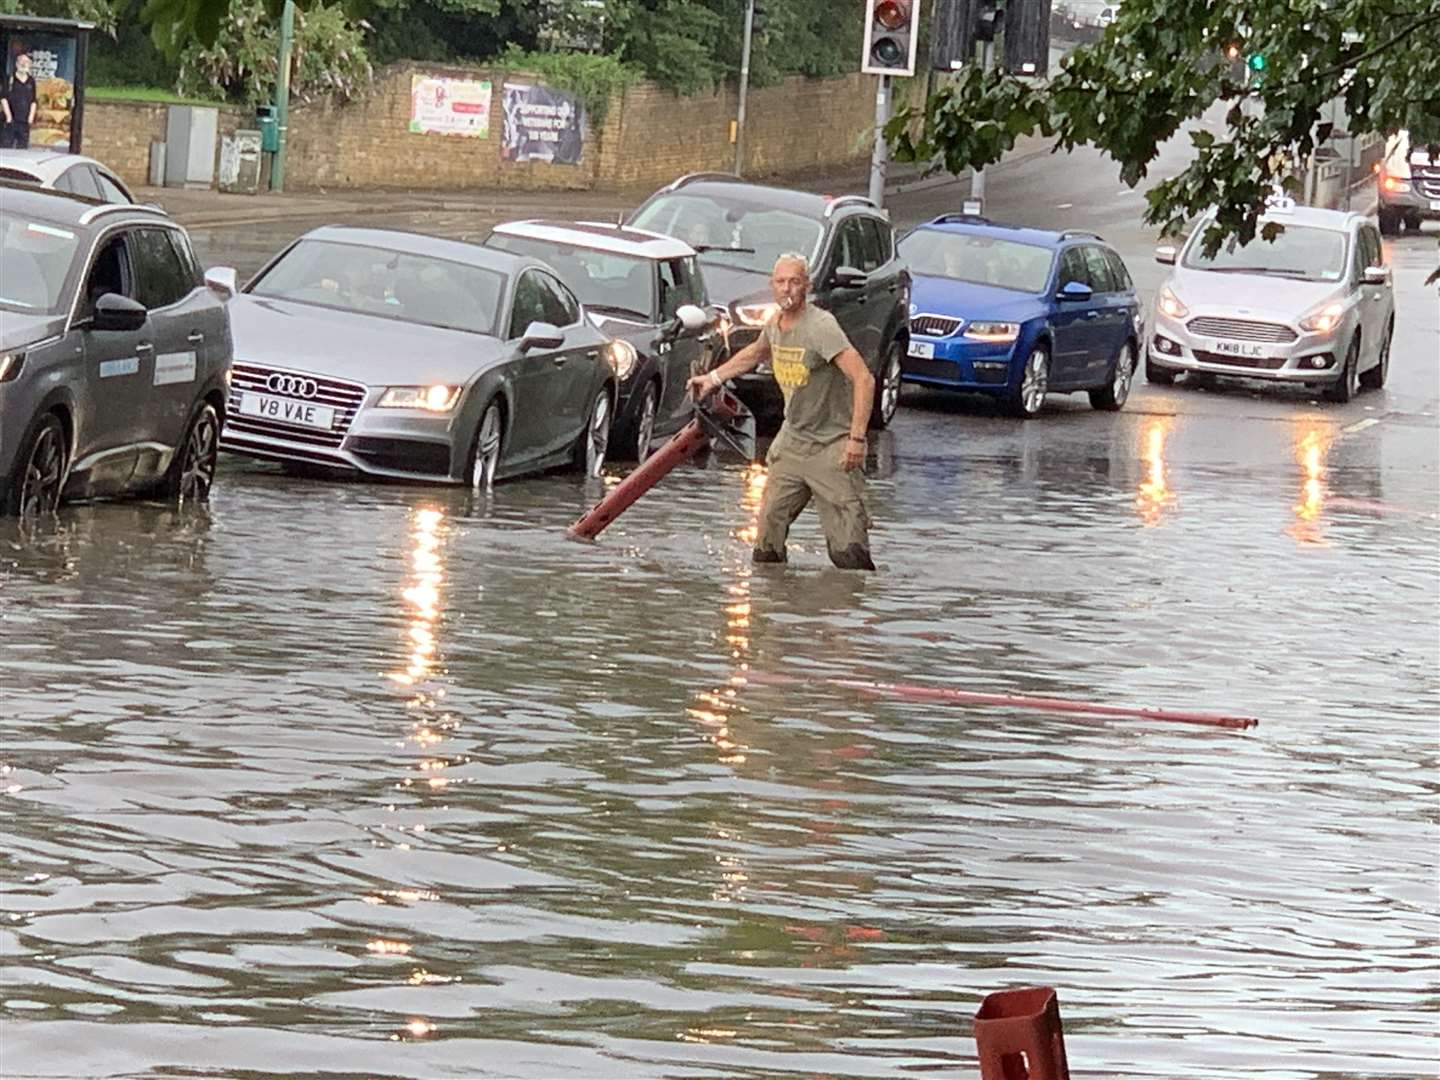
(1019, 313)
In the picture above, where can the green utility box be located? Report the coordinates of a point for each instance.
(269, 126)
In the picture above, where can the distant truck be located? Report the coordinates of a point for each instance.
(1409, 186)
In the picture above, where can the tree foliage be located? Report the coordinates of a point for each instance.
(103, 13)
(1164, 63)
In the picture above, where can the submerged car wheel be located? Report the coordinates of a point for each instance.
(645, 422)
(887, 389)
(1375, 378)
(485, 454)
(192, 472)
(1112, 396)
(1348, 384)
(1027, 398)
(595, 439)
(40, 472)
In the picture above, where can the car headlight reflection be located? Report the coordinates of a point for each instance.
(995, 332)
(622, 357)
(1324, 320)
(1170, 305)
(439, 398)
(755, 314)
(10, 365)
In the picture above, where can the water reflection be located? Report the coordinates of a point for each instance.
(1312, 443)
(1153, 498)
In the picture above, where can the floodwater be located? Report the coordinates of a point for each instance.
(384, 781)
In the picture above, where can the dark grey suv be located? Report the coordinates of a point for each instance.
(740, 229)
(113, 353)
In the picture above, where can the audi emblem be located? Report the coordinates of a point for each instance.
(292, 386)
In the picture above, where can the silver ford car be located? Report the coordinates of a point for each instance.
(1314, 306)
(396, 355)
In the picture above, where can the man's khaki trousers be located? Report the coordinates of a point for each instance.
(799, 471)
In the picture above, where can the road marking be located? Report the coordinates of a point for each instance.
(1360, 425)
(1065, 206)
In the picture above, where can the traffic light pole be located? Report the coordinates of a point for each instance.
(744, 86)
(282, 96)
(977, 176)
(880, 157)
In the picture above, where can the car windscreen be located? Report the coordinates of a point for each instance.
(1300, 252)
(36, 260)
(754, 235)
(390, 284)
(611, 283)
(980, 260)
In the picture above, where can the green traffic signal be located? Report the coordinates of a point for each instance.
(1256, 61)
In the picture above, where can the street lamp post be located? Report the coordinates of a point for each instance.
(744, 87)
(282, 96)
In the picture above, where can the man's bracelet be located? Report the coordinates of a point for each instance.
(857, 438)
(715, 379)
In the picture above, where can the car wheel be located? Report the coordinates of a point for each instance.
(887, 390)
(1389, 221)
(1412, 223)
(1375, 378)
(1160, 376)
(39, 472)
(1028, 397)
(1112, 396)
(645, 421)
(485, 454)
(1348, 384)
(595, 439)
(192, 471)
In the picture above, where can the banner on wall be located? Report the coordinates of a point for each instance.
(541, 124)
(52, 66)
(440, 106)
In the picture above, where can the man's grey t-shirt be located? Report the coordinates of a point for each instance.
(818, 397)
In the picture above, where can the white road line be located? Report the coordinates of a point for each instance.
(1064, 206)
(1360, 425)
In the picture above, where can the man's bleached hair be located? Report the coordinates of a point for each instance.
(793, 257)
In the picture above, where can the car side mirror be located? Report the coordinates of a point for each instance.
(116, 312)
(1377, 275)
(224, 280)
(1076, 291)
(689, 319)
(541, 335)
(1165, 254)
(847, 277)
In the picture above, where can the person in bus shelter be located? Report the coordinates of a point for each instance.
(18, 106)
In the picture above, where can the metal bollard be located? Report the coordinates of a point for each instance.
(1019, 1036)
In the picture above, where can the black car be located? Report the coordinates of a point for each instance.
(113, 353)
(646, 292)
(740, 229)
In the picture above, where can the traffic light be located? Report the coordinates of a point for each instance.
(892, 31)
(1255, 62)
(1027, 38)
(757, 17)
(959, 24)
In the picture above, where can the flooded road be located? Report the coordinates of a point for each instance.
(385, 781)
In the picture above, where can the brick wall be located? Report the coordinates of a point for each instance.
(649, 136)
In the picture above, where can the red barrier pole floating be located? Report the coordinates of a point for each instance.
(1024, 701)
(688, 442)
(1019, 1036)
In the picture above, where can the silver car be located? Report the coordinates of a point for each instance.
(395, 355)
(113, 353)
(1315, 306)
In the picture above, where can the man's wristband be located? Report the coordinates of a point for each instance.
(715, 379)
(857, 438)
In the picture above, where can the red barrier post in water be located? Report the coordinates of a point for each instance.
(1019, 1036)
(688, 442)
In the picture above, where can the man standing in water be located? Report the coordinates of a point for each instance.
(829, 393)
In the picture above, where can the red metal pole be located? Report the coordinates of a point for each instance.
(689, 441)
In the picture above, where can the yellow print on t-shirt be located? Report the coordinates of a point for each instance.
(788, 363)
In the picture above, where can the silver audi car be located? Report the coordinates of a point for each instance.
(396, 355)
(1314, 306)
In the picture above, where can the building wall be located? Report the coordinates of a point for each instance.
(648, 136)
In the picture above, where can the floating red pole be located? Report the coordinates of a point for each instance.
(1023, 701)
(1019, 1036)
(686, 443)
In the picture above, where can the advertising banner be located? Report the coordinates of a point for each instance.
(542, 124)
(52, 66)
(441, 106)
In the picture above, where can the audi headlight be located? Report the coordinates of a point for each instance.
(438, 398)
(10, 365)
(1324, 320)
(755, 314)
(1170, 305)
(621, 356)
(995, 332)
